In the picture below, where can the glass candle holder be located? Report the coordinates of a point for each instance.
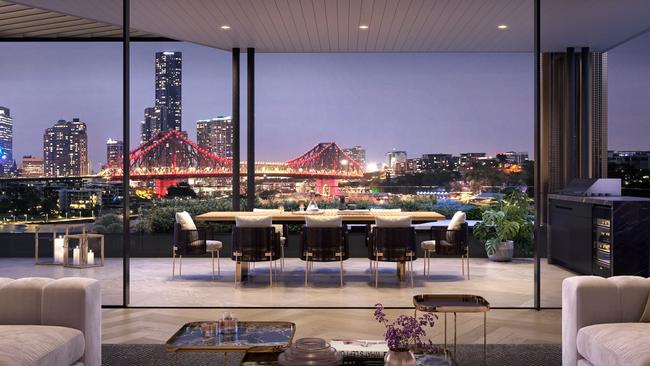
(228, 324)
(209, 329)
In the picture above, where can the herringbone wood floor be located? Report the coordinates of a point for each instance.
(503, 326)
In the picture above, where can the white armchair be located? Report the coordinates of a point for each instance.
(600, 321)
(50, 322)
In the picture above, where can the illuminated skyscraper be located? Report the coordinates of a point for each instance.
(215, 135)
(394, 157)
(32, 166)
(113, 150)
(154, 118)
(6, 139)
(358, 153)
(65, 149)
(168, 88)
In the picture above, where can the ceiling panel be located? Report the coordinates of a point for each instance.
(333, 25)
(22, 21)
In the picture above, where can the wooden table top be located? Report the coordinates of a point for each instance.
(298, 217)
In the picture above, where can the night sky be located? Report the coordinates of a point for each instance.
(421, 103)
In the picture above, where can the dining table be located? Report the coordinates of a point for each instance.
(348, 217)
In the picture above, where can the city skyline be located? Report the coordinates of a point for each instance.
(506, 77)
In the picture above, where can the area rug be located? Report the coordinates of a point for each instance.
(468, 355)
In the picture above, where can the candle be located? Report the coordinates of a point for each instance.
(75, 256)
(58, 250)
(90, 258)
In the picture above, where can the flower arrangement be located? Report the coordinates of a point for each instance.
(406, 333)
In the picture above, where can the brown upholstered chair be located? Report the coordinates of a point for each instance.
(283, 229)
(392, 240)
(254, 239)
(450, 240)
(323, 239)
(192, 241)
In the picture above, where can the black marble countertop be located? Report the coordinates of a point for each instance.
(598, 200)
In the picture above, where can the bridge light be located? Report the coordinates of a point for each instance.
(344, 161)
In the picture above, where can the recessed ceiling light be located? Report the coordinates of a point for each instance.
(225, 27)
(502, 26)
(363, 26)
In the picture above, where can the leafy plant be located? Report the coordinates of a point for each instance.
(509, 219)
(108, 224)
(407, 332)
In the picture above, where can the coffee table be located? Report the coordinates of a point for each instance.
(252, 338)
(454, 303)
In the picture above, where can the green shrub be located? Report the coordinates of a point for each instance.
(108, 224)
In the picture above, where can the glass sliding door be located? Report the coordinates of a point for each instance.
(60, 117)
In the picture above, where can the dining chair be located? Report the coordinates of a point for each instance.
(254, 239)
(192, 241)
(323, 239)
(450, 240)
(392, 240)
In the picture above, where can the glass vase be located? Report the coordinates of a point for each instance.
(399, 358)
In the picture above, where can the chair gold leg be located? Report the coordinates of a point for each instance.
(462, 264)
(282, 259)
(271, 271)
(212, 252)
(376, 270)
(173, 263)
(424, 263)
(341, 270)
(306, 270)
(411, 268)
(180, 266)
(219, 263)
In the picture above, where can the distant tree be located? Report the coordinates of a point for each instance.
(182, 189)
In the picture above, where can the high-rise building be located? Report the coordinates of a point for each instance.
(358, 154)
(168, 88)
(32, 166)
(6, 140)
(113, 150)
(65, 149)
(574, 123)
(512, 157)
(635, 159)
(215, 135)
(470, 158)
(394, 157)
(154, 118)
(430, 162)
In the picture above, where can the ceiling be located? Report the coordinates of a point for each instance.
(393, 25)
(20, 21)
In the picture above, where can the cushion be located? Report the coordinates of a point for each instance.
(253, 221)
(615, 344)
(645, 317)
(20, 300)
(270, 210)
(456, 221)
(213, 245)
(428, 245)
(185, 219)
(393, 221)
(323, 221)
(40, 345)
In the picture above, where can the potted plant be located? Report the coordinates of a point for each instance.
(404, 335)
(505, 224)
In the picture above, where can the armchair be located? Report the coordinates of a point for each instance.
(192, 241)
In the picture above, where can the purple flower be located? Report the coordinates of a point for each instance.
(407, 332)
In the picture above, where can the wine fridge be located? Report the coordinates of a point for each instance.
(602, 241)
